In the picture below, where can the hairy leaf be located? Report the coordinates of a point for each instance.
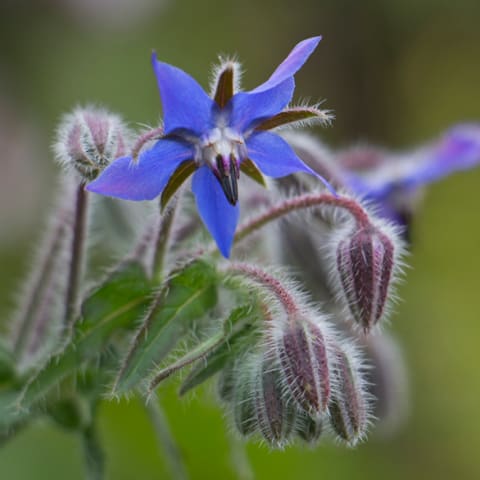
(239, 327)
(116, 304)
(185, 298)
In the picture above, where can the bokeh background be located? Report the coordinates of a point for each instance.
(396, 73)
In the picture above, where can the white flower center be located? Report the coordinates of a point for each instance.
(220, 144)
(222, 150)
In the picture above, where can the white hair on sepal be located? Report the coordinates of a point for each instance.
(88, 139)
(226, 62)
(322, 117)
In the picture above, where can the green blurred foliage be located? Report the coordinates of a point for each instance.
(395, 72)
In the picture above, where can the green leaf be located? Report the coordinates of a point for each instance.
(116, 304)
(241, 326)
(185, 298)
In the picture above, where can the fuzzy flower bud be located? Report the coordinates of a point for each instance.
(88, 140)
(275, 414)
(349, 407)
(365, 262)
(303, 353)
(259, 403)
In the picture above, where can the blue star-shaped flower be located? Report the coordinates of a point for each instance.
(215, 138)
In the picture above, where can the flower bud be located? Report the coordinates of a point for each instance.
(244, 409)
(365, 262)
(303, 355)
(275, 413)
(89, 139)
(349, 407)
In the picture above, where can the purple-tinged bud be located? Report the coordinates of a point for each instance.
(349, 407)
(365, 262)
(303, 353)
(275, 413)
(88, 140)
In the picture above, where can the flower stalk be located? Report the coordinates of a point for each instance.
(77, 256)
(301, 202)
(166, 442)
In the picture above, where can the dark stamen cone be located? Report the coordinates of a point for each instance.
(302, 351)
(228, 178)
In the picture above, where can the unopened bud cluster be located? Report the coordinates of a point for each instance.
(300, 379)
(88, 140)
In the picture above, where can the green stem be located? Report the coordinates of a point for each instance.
(93, 454)
(196, 354)
(239, 459)
(166, 441)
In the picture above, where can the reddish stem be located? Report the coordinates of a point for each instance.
(275, 286)
(144, 138)
(304, 201)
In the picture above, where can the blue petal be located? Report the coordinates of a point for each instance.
(219, 216)
(290, 66)
(458, 150)
(247, 108)
(145, 179)
(275, 158)
(186, 106)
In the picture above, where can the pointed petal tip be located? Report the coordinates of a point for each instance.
(217, 214)
(314, 40)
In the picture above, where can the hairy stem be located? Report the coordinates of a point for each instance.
(162, 241)
(301, 202)
(269, 282)
(77, 255)
(93, 454)
(42, 277)
(154, 133)
(166, 441)
(201, 351)
(239, 459)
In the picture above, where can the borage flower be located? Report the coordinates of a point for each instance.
(215, 139)
(393, 181)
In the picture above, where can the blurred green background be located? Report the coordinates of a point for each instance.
(395, 72)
